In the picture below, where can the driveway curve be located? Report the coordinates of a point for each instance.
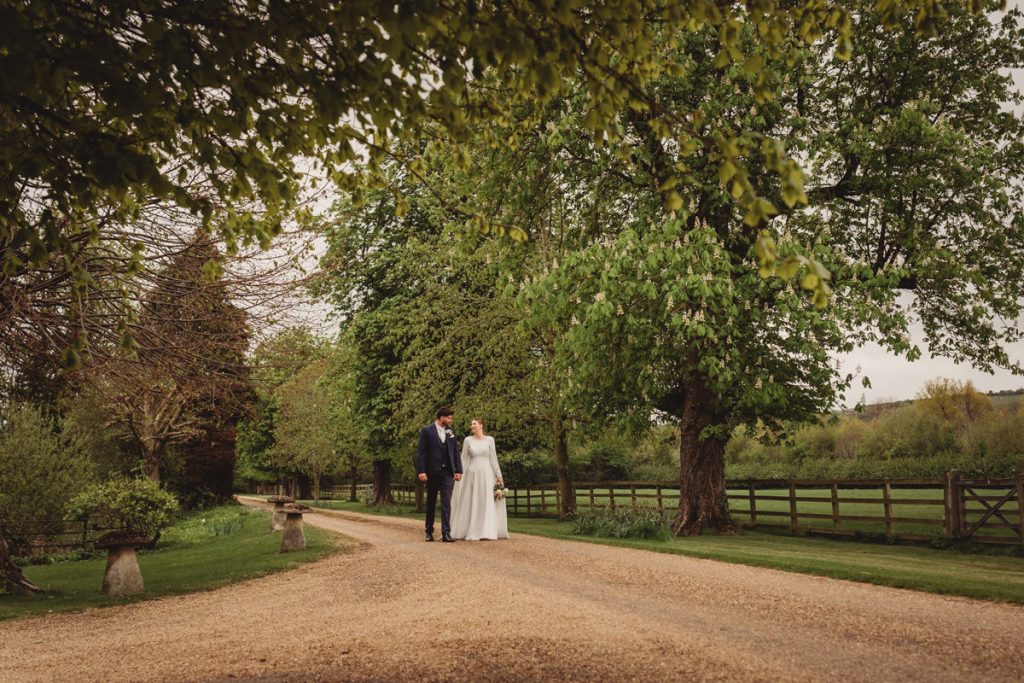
(397, 609)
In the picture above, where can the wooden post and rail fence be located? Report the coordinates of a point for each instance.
(954, 507)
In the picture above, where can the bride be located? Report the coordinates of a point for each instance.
(476, 515)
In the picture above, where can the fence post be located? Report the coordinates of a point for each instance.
(85, 532)
(1020, 509)
(611, 497)
(835, 506)
(661, 503)
(632, 495)
(529, 501)
(793, 523)
(951, 526)
(887, 504)
(591, 498)
(752, 495)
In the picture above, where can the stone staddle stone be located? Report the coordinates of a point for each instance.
(122, 576)
(294, 536)
(277, 519)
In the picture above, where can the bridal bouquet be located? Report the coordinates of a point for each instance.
(500, 491)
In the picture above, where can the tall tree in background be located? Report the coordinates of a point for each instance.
(302, 434)
(347, 430)
(430, 323)
(186, 368)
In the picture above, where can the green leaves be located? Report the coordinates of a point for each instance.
(138, 505)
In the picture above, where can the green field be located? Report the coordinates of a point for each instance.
(937, 571)
(204, 550)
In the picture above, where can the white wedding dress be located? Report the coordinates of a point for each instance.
(475, 513)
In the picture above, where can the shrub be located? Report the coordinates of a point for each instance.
(526, 467)
(622, 523)
(606, 457)
(136, 504)
(40, 469)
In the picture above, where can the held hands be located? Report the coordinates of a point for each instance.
(422, 476)
(458, 477)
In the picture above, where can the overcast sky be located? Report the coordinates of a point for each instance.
(896, 378)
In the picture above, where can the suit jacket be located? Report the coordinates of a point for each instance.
(430, 452)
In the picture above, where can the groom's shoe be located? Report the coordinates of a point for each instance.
(429, 537)
(445, 538)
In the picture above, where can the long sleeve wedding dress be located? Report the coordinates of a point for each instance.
(475, 513)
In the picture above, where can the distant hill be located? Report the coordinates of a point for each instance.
(1007, 399)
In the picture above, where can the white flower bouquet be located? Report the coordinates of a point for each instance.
(500, 492)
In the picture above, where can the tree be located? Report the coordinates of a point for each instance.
(41, 469)
(346, 430)
(666, 316)
(210, 107)
(954, 401)
(274, 362)
(303, 437)
(430, 323)
(185, 369)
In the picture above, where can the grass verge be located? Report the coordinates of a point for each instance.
(201, 551)
(948, 572)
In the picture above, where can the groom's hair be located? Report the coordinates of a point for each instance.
(444, 411)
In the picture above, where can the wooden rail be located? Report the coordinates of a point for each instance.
(41, 536)
(979, 510)
(983, 511)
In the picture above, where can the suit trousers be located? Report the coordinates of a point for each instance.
(440, 482)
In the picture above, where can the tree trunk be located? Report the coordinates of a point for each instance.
(421, 492)
(702, 499)
(151, 456)
(382, 483)
(353, 497)
(316, 486)
(14, 580)
(566, 492)
(305, 487)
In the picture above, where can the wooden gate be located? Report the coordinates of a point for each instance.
(987, 510)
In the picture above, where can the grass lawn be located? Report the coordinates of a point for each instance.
(201, 551)
(949, 572)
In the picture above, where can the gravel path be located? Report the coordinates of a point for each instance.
(398, 609)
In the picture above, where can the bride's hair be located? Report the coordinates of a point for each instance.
(477, 419)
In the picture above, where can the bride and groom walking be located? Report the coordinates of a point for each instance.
(464, 480)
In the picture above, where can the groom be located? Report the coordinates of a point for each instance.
(439, 464)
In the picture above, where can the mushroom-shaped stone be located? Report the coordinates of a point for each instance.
(122, 576)
(294, 536)
(277, 520)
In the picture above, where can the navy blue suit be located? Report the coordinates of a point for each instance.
(440, 462)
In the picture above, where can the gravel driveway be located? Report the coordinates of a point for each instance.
(398, 609)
